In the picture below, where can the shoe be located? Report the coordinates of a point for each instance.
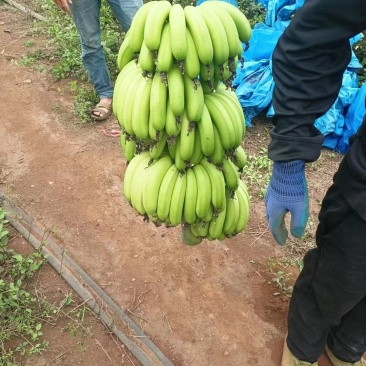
(288, 359)
(101, 111)
(336, 362)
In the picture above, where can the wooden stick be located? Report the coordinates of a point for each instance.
(25, 10)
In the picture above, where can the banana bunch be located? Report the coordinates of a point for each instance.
(182, 124)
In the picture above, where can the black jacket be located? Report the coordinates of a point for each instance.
(308, 65)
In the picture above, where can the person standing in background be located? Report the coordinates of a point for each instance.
(86, 16)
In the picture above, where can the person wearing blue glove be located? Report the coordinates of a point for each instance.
(327, 312)
(86, 16)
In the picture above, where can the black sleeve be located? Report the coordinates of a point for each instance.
(308, 65)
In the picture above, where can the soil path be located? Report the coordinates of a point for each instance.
(205, 305)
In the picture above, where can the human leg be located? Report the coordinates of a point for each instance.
(333, 279)
(86, 14)
(125, 10)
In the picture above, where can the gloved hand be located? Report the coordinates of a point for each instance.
(287, 192)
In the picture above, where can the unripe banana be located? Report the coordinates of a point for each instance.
(191, 62)
(178, 28)
(203, 191)
(188, 237)
(135, 168)
(240, 157)
(136, 31)
(125, 54)
(176, 91)
(177, 202)
(218, 35)
(194, 99)
(218, 155)
(146, 59)
(210, 214)
(197, 152)
(200, 229)
(157, 170)
(158, 99)
(187, 137)
(222, 121)
(231, 174)
(207, 72)
(172, 147)
(122, 84)
(232, 213)
(189, 211)
(242, 24)
(157, 148)
(141, 109)
(206, 132)
(128, 147)
(216, 225)
(217, 185)
(230, 30)
(155, 21)
(165, 192)
(200, 34)
(243, 217)
(172, 124)
(154, 134)
(179, 162)
(228, 104)
(222, 72)
(164, 60)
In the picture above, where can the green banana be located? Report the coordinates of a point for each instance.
(200, 34)
(156, 173)
(243, 216)
(222, 72)
(178, 28)
(172, 147)
(218, 155)
(146, 59)
(227, 103)
(194, 98)
(235, 46)
(188, 237)
(232, 213)
(200, 229)
(176, 91)
(179, 162)
(136, 32)
(197, 152)
(125, 54)
(137, 186)
(192, 62)
(154, 134)
(206, 132)
(158, 100)
(141, 110)
(157, 147)
(164, 60)
(166, 191)
(216, 225)
(128, 147)
(218, 35)
(172, 124)
(210, 214)
(203, 191)
(154, 25)
(242, 24)
(231, 174)
(222, 121)
(207, 72)
(189, 211)
(177, 201)
(240, 157)
(217, 185)
(187, 137)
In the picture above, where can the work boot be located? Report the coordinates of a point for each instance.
(336, 362)
(288, 359)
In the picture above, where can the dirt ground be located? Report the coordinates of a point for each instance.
(205, 305)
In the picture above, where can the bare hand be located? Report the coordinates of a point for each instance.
(63, 4)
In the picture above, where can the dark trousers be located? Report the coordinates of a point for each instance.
(328, 304)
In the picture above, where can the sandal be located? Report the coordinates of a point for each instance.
(103, 109)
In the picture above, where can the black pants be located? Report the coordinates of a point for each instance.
(329, 298)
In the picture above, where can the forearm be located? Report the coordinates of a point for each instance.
(308, 66)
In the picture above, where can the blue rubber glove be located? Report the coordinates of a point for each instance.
(287, 192)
